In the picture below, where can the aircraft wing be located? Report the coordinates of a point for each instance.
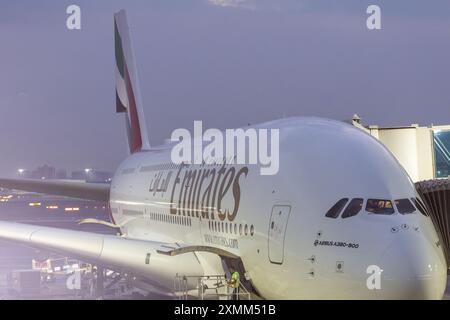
(92, 247)
(140, 258)
(73, 189)
(156, 261)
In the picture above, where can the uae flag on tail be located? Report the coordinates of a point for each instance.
(121, 93)
(126, 86)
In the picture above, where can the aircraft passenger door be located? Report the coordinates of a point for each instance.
(277, 231)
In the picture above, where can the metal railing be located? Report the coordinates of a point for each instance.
(181, 287)
(242, 292)
(209, 287)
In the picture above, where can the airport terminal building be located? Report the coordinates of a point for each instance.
(424, 152)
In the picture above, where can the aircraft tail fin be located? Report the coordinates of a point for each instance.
(128, 99)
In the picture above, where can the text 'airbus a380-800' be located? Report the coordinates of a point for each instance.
(339, 205)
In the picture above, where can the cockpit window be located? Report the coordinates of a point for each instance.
(404, 206)
(353, 208)
(419, 204)
(336, 209)
(379, 206)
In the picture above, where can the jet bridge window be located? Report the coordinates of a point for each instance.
(404, 206)
(379, 206)
(353, 208)
(441, 146)
(336, 208)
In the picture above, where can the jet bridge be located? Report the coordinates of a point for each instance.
(436, 195)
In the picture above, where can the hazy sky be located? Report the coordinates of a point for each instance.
(226, 62)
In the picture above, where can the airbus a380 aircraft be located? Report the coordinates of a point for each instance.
(339, 205)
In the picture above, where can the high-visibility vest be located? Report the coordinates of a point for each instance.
(235, 279)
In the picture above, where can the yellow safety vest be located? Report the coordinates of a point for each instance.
(235, 279)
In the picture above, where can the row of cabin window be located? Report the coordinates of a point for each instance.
(376, 206)
(223, 227)
(184, 221)
(166, 166)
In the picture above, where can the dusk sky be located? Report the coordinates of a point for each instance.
(226, 62)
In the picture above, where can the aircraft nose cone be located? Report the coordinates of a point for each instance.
(413, 268)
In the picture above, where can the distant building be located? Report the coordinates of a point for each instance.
(47, 172)
(24, 173)
(78, 175)
(97, 176)
(424, 152)
(44, 172)
(61, 174)
(92, 175)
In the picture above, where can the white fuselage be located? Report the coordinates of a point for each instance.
(277, 225)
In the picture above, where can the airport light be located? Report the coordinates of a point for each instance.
(72, 209)
(34, 204)
(87, 170)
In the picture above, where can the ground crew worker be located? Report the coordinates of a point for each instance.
(234, 283)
